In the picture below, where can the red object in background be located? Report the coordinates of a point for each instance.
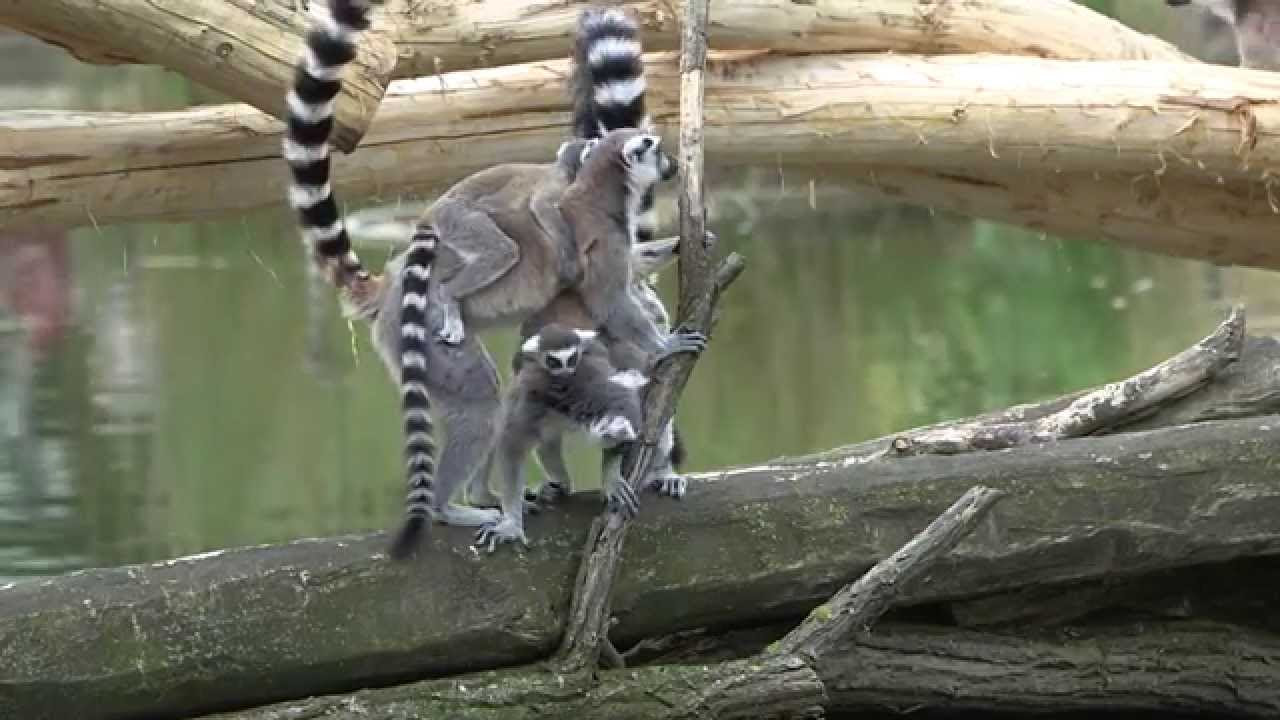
(35, 284)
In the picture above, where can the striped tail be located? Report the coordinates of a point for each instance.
(608, 77)
(330, 45)
(419, 448)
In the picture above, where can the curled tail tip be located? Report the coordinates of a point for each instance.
(408, 538)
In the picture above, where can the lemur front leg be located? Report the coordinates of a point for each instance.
(511, 450)
(664, 479)
(485, 254)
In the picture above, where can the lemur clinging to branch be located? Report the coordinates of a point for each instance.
(492, 250)
(564, 382)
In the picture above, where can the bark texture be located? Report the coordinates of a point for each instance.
(1098, 147)
(254, 625)
(247, 48)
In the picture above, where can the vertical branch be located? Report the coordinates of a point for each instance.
(700, 286)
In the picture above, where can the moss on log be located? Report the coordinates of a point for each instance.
(248, 626)
(1183, 667)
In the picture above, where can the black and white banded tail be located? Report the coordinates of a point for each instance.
(419, 447)
(330, 45)
(608, 78)
(608, 87)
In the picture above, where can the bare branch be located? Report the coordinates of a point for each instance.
(1093, 411)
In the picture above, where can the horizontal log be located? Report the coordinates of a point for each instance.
(244, 49)
(1183, 667)
(247, 49)
(1069, 145)
(247, 626)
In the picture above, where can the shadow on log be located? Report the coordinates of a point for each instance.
(248, 626)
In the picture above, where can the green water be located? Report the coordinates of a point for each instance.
(204, 393)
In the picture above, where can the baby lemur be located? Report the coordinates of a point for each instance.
(564, 382)
(495, 248)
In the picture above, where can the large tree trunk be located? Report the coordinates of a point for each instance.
(1189, 667)
(1118, 148)
(247, 626)
(247, 49)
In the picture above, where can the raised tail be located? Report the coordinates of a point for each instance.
(419, 447)
(608, 82)
(330, 45)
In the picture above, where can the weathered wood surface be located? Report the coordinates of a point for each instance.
(253, 625)
(1185, 667)
(246, 48)
(1077, 147)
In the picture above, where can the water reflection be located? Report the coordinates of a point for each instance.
(166, 389)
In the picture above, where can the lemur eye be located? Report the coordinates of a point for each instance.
(646, 143)
(572, 361)
(553, 362)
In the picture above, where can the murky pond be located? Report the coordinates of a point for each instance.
(172, 388)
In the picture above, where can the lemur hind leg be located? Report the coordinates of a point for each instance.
(558, 483)
(664, 479)
(484, 252)
(464, 388)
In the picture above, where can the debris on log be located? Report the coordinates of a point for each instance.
(256, 625)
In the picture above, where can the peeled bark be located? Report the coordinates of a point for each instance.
(247, 49)
(1057, 145)
(237, 47)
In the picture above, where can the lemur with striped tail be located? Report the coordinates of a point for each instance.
(495, 248)
(608, 88)
(564, 382)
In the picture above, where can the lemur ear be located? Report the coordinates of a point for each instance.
(531, 345)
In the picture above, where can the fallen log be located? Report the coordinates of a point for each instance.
(780, 682)
(1161, 667)
(248, 626)
(247, 49)
(1059, 145)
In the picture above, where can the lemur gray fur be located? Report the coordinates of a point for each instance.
(564, 382)
(492, 250)
(1256, 25)
(567, 311)
(608, 87)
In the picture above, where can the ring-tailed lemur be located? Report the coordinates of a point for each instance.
(567, 311)
(565, 383)
(608, 88)
(492, 250)
(1256, 25)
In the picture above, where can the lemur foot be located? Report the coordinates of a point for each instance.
(622, 499)
(506, 530)
(684, 340)
(466, 516)
(549, 494)
(451, 331)
(672, 485)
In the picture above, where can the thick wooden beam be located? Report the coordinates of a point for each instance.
(1119, 149)
(247, 48)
